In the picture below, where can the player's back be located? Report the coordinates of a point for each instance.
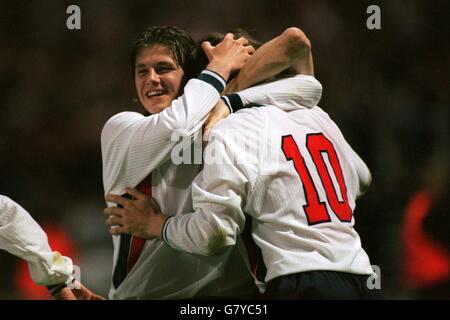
(304, 179)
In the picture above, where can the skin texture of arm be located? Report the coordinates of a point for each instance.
(290, 51)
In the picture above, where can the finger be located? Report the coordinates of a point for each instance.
(113, 211)
(136, 193)
(116, 231)
(206, 130)
(250, 50)
(64, 294)
(205, 125)
(206, 135)
(206, 46)
(229, 36)
(116, 199)
(243, 41)
(113, 221)
(155, 205)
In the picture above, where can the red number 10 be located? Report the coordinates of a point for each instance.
(316, 211)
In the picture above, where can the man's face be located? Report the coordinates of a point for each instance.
(157, 77)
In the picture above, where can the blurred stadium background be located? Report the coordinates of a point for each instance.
(387, 90)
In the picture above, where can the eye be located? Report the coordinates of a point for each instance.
(142, 72)
(164, 69)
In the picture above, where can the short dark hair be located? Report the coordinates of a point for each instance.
(178, 41)
(201, 60)
(216, 37)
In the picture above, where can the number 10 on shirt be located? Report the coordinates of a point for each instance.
(315, 210)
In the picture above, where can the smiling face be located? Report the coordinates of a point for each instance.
(157, 77)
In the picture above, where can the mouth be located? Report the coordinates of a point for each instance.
(155, 93)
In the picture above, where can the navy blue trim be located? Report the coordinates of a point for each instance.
(235, 101)
(227, 102)
(216, 83)
(224, 81)
(54, 289)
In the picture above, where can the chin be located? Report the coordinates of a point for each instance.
(155, 109)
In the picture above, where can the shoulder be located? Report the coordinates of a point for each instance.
(8, 210)
(245, 125)
(4, 202)
(244, 119)
(122, 118)
(120, 121)
(324, 116)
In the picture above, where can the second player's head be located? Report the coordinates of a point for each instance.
(158, 61)
(201, 60)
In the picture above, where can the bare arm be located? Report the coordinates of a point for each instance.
(290, 51)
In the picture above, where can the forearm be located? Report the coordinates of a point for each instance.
(209, 230)
(289, 51)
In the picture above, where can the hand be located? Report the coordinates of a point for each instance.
(219, 112)
(80, 292)
(141, 217)
(64, 294)
(83, 293)
(229, 55)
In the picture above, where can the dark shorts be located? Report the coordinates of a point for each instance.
(322, 285)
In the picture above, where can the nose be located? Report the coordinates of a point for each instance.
(152, 77)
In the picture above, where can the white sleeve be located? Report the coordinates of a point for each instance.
(218, 193)
(21, 236)
(287, 94)
(134, 145)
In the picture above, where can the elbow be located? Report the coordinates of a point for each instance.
(219, 242)
(296, 40)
